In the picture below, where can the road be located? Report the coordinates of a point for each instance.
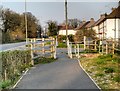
(65, 73)
(11, 46)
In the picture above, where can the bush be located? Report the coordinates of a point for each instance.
(71, 38)
(6, 38)
(14, 63)
(63, 37)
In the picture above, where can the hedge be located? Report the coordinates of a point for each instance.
(13, 64)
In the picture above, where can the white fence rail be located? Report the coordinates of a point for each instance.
(42, 47)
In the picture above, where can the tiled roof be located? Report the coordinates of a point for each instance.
(115, 13)
(90, 24)
(63, 27)
(82, 26)
(99, 21)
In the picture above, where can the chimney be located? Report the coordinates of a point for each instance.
(113, 9)
(92, 19)
(83, 21)
(102, 15)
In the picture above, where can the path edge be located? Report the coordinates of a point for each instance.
(88, 75)
(20, 79)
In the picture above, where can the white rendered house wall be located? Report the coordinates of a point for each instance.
(111, 28)
(63, 32)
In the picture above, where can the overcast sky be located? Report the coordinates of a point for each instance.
(45, 11)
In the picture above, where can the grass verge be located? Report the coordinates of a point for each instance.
(62, 45)
(104, 69)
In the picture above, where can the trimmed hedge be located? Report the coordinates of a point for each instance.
(13, 64)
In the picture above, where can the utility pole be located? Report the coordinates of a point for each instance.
(66, 18)
(26, 21)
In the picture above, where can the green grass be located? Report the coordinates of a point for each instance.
(62, 45)
(47, 43)
(5, 84)
(104, 70)
(117, 78)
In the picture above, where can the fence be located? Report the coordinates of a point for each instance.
(42, 47)
(110, 46)
(105, 47)
(74, 48)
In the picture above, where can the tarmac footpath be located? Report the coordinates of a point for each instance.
(65, 73)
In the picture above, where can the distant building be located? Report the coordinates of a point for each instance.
(62, 30)
(108, 26)
(100, 26)
(82, 25)
(86, 25)
(90, 25)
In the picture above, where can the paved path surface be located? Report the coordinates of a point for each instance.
(11, 46)
(65, 73)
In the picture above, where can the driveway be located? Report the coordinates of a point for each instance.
(65, 73)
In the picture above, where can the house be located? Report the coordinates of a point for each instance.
(86, 25)
(100, 26)
(82, 25)
(113, 24)
(62, 30)
(108, 26)
(90, 25)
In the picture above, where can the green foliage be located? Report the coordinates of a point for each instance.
(47, 43)
(52, 28)
(6, 37)
(84, 32)
(89, 51)
(43, 60)
(105, 56)
(117, 78)
(104, 69)
(99, 74)
(14, 63)
(63, 37)
(13, 27)
(11, 20)
(108, 69)
(71, 38)
(100, 61)
(108, 57)
(32, 25)
(5, 84)
(62, 45)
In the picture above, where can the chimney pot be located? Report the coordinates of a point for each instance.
(83, 21)
(113, 9)
(92, 19)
